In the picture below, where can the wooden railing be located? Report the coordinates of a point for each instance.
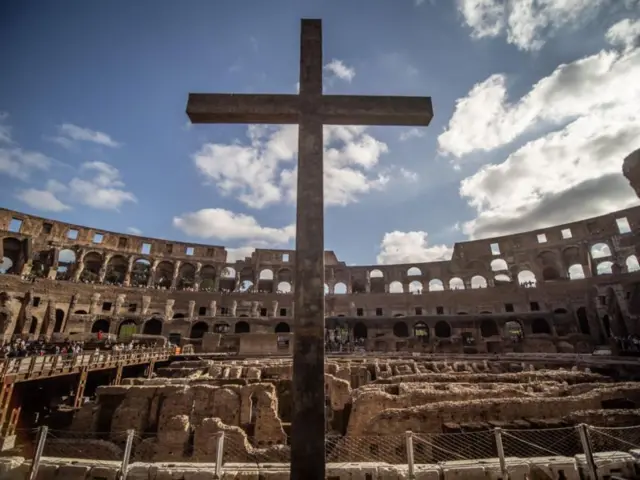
(32, 368)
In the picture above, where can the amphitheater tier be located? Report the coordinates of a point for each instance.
(559, 289)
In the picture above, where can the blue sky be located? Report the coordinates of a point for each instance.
(93, 127)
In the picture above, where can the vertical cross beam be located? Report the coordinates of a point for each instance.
(307, 426)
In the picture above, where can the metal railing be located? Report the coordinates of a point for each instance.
(502, 450)
(30, 368)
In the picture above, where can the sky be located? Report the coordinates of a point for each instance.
(535, 108)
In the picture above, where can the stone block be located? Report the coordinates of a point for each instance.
(106, 473)
(73, 472)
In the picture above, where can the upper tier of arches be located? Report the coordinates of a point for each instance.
(32, 246)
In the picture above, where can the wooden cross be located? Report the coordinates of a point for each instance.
(310, 110)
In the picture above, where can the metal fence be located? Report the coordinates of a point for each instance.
(409, 449)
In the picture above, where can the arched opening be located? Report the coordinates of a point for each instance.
(57, 327)
(414, 272)
(12, 248)
(127, 329)
(540, 325)
(152, 327)
(92, 265)
(499, 265)
(6, 265)
(140, 273)
(198, 330)
(395, 287)
(66, 262)
(360, 331)
(400, 329)
(527, 279)
(632, 263)
(227, 282)
(605, 268)
(436, 285)
(415, 287)
(478, 281)
(576, 272)
(606, 323)
(284, 287)
(186, 277)
(456, 283)
(514, 330)
(116, 270)
(442, 329)
(377, 281)
(358, 286)
(421, 331)
(221, 327)
(340, 288)
(501, 279)
(600, 250)
(164, 274)
(207, 279)
(100, 326)
(550, 274)
(583, 321)
(242, 327)
(282, 327)
(488, 328)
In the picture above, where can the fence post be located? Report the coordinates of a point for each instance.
(219, 454)
(127, 453)
(410, 464)
(35, 463)
(588, 453)
(500, 450)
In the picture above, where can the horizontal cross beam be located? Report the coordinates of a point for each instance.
(332, 109)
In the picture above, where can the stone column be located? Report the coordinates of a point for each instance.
(95, 300)
(176, 272)
(103, 268)
(197, 279)
(192, 308)
(152, 273)
(79, 266)
(274, 308)
(127, 275)
(213, 308)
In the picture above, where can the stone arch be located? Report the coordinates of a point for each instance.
(152, 326)
(632, 263)
(284, 275)
(282, 327)
(421, 331)
(540, 325)
(164, 274)
(583, 321)
(284, 287)
(396, 287)
(358, 285)
(207, 278)
(576, 272)
(140, 272)
(59, 322)
(101, 326)
(266, 274)
(360, 331)
(127, 328)
(340, 288)
(377, 281)
(442, 329)
(456, 283)
(499, 265)
(199, 329)
(526, 278)
(415, 287)
(513, 328)
(92, 264)
(186, 276)
(242, 327)
(571, 255)
(116, 270)
(488, 328)
(501, 279)
(400, 329)
(12, 248)
(414, 272)
(221, 327)
(227, 281)
(245, 286)
(436, 285)
(600, 250)
(604, 268)
(478, 281)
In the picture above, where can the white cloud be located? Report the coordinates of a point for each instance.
(410, 247)
(5, 130)
(625, 34)
(103, 188)
(340, 70)
(225, 225)
(19, 163)
(240, 253)
(528, 23)
(565, 175)
(264, 172)
(134, 231)
(485, 119)
(42, 200)
(412, 133)
(68, 133)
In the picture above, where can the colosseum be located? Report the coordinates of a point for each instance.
(517, 358)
